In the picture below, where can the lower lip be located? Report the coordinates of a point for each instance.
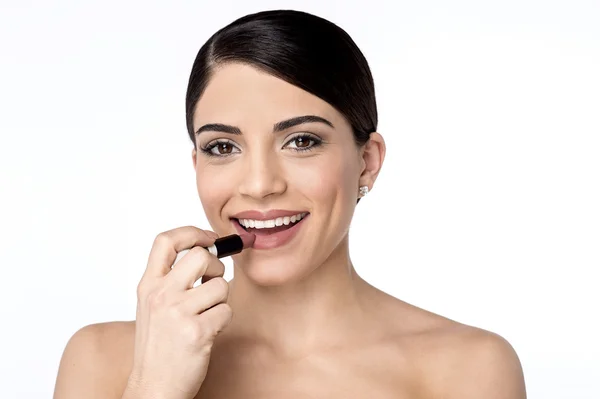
(275, 240)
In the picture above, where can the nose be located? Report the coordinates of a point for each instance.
(262, 176)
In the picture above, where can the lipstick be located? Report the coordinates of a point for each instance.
(231, 245)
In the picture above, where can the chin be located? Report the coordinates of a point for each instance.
(272, 272)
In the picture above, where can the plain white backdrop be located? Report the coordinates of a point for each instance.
(486, 211)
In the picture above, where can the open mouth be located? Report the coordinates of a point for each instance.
(273, 226)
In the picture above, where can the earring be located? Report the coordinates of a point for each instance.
(364, 190)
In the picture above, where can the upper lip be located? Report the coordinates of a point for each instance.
(265, 215)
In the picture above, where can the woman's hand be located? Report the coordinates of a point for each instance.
(177, 323)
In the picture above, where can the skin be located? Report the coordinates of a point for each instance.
(304, 323)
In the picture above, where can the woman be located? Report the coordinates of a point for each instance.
(282, 114)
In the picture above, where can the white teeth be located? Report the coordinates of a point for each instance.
(266, 224)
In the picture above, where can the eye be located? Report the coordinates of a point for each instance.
(220, 148)
(303, 142)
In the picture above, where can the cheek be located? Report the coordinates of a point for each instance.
(217, 181)
(327, 180)
(213, 189)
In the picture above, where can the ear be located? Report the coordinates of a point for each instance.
(194, 157)
(373, 154)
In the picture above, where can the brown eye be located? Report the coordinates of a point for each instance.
(220, 148)
(224, 148)
(301, 142)
(304, 142)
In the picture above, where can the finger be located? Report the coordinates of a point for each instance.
(205, 296)
(216, 319)
(206, 278)
(214, 270)
(195, 264)
(169, 243)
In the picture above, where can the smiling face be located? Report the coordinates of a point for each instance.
(268, 146)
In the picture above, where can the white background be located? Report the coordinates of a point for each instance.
(486, 211)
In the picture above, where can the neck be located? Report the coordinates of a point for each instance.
(300, 315)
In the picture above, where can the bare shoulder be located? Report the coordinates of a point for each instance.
(461, 361)
(451, 359)
(475, 363)
(96, 361)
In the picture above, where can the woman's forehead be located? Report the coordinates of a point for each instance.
(239, 93)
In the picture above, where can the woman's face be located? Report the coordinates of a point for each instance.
(257, 161)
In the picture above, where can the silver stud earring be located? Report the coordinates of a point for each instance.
(364, 190)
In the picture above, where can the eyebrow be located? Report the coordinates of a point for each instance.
(278, 127)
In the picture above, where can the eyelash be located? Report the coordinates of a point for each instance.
(208, 148)
(213, 144)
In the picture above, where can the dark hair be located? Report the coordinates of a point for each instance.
(300, 48)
